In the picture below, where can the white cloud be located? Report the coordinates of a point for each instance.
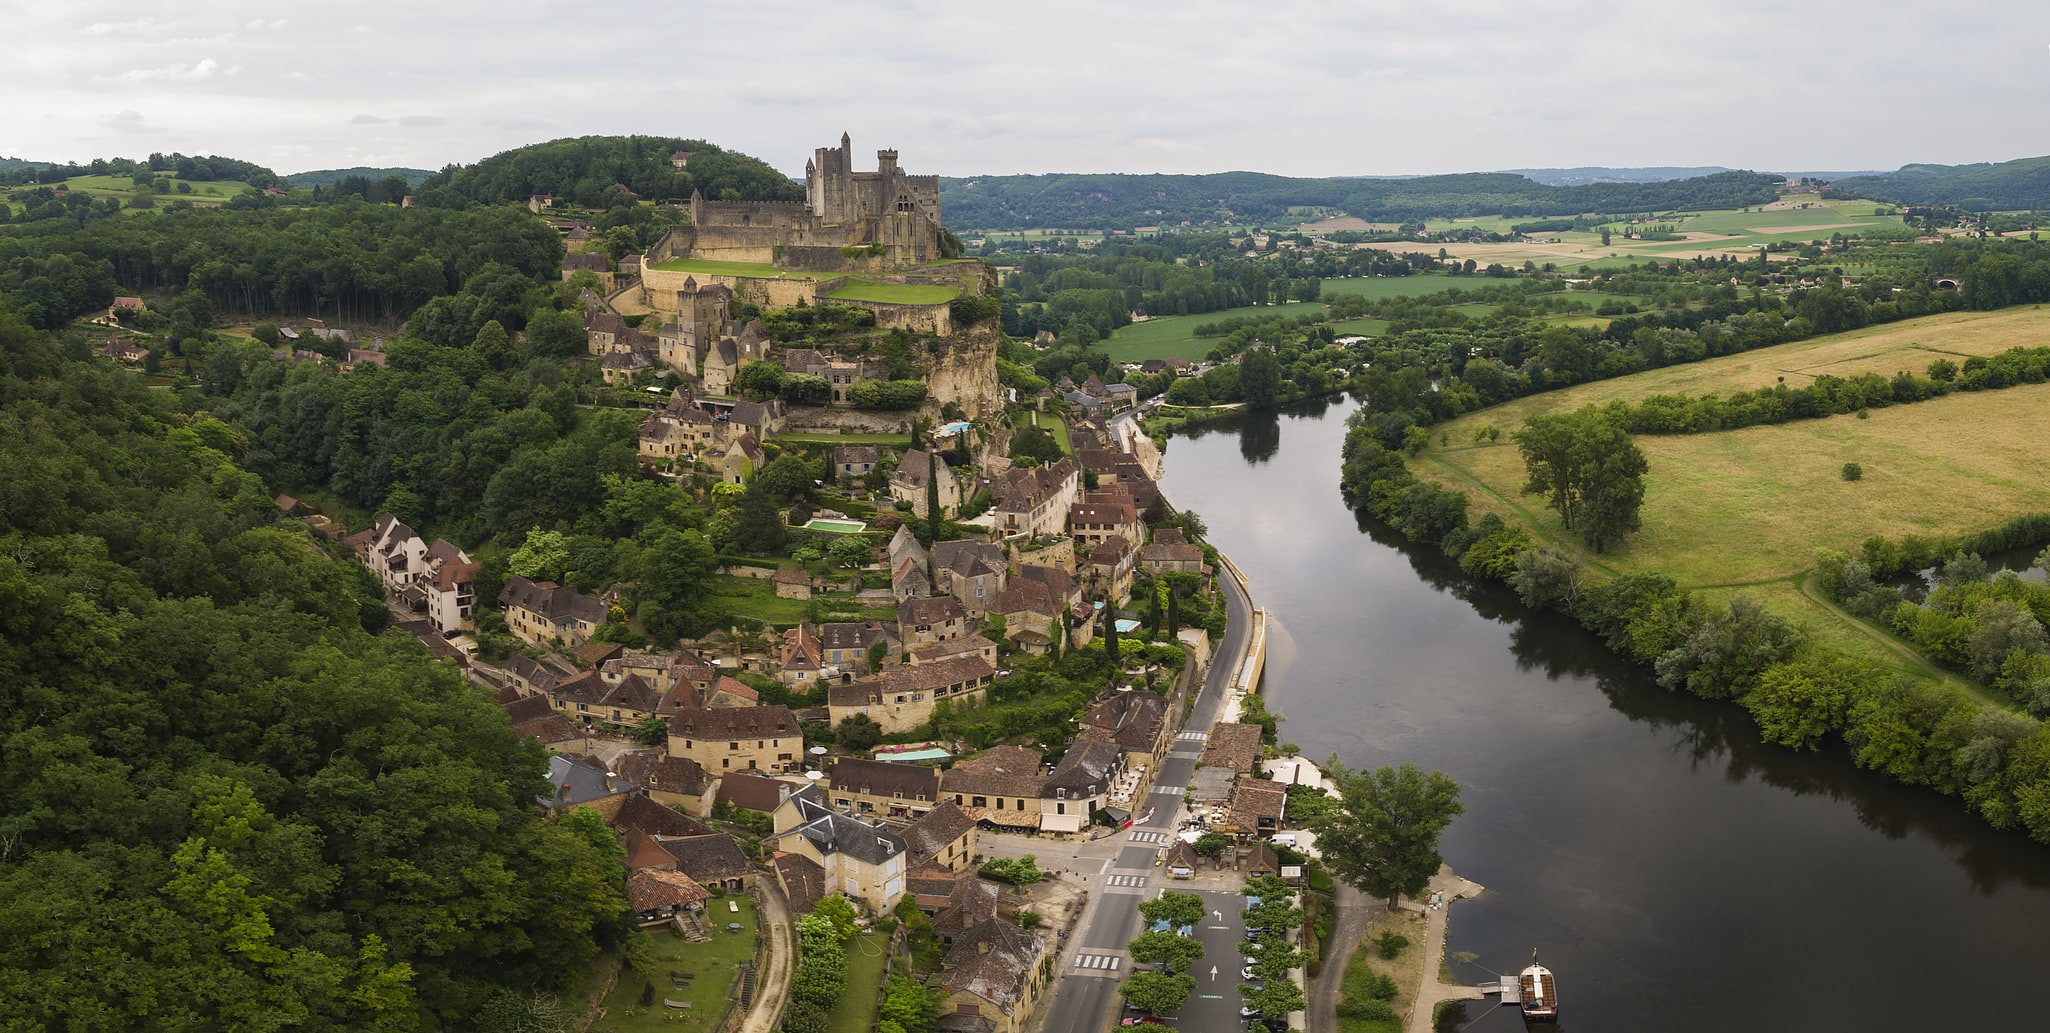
(273, 25)
(143, 24)
(204, 68)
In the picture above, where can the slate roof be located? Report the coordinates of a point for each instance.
(585, 779)
(708, 858)
(993, 961)
(644, 815)
(934, 830)
(734, 722)
(857, 635)
(551, 600)
(998, 771)
(836, 833)
(1232, 745)
(1086, 769)
(876, 778)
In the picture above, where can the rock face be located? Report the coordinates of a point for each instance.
(964, 370)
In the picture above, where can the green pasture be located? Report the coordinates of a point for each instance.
(867, 956)
(714, 965)
(1362, 327)
(1485, 224)
(1374, 288)
(894, 293)
(761, 270)
(203, 190)
(1173, 337)
(1052, 424)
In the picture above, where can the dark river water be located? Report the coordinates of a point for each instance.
(1676, 872)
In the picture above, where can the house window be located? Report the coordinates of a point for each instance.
(732, 745)
(979, 801)
(583, 708)
(1060, 808)
(1000, 803)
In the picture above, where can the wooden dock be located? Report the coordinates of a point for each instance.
(1511, 991)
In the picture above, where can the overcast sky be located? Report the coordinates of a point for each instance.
(1343, 87)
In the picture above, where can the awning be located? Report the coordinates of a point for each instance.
(1062, 822)
(1118, 817)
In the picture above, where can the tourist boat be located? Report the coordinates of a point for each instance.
(1537, 993)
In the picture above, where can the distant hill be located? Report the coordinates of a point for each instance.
(329, 177)
(20, 163)
(1123, 201)
(1586, 174)
(2023, 183)
(583, 169)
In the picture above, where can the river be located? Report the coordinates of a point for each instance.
(1676, 872)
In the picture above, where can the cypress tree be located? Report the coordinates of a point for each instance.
(932, 498)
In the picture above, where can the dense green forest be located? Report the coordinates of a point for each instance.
(224, 802)
(1124, 201)
(327, 177)
(352, 260)
(184, 166)
(2023, 183)
(587, 170)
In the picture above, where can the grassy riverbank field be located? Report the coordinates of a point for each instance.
(1746, 509)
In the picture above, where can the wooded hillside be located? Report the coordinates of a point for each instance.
(2023, 183)
(585, 169)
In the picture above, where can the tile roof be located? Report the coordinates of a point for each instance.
(644, 815)
(708, 858)
(652, 889)
(1131, 719)
(998, 771)
(934, 831)
(935, 609)
(994, 961)
(1233, 745)
(804, 882)
(753, 792)
(659, 772)
(734, 722)
(878, 778)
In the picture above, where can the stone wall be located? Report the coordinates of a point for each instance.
(821, 420)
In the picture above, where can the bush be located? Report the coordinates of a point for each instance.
(1853, 471)
(1390, 944)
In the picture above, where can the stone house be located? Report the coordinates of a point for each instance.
(655, 895)
(1080, 785)
(589, 699)
(541, 612)
(969, 645)
(738, 738)
(791, 584)
(677, 432)
(908, 560)
(1181, 860)
(993, 977)
(714, 861)
(670, 781)
(1000, 786)
(943, 837)
(1110, 570)
(1030, 613)
(972, 572)
(589, 262)
(582, 783)
(800, 663)
(1136, 721)
(1033, 503)
(1093, 523)
(901, 698)
(752, 791)
(743, 457)
(1256, 808)
(863, 862)
(1233, 745)
(851, 461)
(872, 789)
(846, 643)
(907, 483)
(929, 620)
(1171, 553)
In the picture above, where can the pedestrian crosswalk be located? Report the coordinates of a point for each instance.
(1125, 880)
(1104, 962)
(1146, 836)
(1169, 790)
(1194, 737)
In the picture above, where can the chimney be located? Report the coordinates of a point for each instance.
(612, 781)
(982, 946)
(562, 791)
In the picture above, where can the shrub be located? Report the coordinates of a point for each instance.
(1853, 471)
(1390, 944)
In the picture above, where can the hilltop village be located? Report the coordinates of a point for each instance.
(967, 626)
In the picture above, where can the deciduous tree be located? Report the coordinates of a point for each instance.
(1383, 836)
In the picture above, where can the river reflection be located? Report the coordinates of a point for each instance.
(1677, 872)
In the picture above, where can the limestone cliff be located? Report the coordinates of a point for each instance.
(964, 370)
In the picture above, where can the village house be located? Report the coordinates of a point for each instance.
(846, 644)
(851, 461)
(1093, 523)
(1079, 785)
(1110, 570)
(589, 699)
(972, 572)
(752, 791)
(1181, 860)
(863, 862)
(657, 895)
(1256, 809)
(1171, 553)
(588, 262)
(901, 698)
(803, 881)
(943, 837)
(1233, 746)
(907, 483)
(437, 580)
(1000, 787)
(1136, 721)
(583, 783)
(122, 350)
(969, 645)
(764, 738)
(876, 789)
(993, 978)
(670, 781)
(969, 902)
(713, 861)
(540, 613)
(1030, 614)
(800, 661)
(930, 620)
(743, 457)
(791, 584)
(1033, 503)
(677, 432)
(908, 559)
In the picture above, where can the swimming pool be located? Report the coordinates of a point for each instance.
(836, 526)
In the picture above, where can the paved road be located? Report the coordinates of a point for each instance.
(1354, 909)
(1085, 998)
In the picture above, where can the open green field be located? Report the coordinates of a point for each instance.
(762, 270)
(1053, 425)
(1362, 327)
(1746, 509)
(756, 598)
(204, 191)
(867, 955)
(891, 440)
(1374, 288)
(715, 964)
(894, 293)
(1173, 337)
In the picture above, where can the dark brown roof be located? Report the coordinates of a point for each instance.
(878, 778)
(708, 858)
(998, 771)
(933, 831)
(658, 771)
(1110, 552)
(1131, 719)
(1255, 798)
(551, 729)
(551, 601)
(1234, 746)
(966, 671)
(936, 609)
(532, 708)
(970, 902)
(1181, 855)
(653, 890)
(993, 961)
(753, 792)
(583, 260)
(645, 815)
(1262, 859)
(804, 882)
(734, 722)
